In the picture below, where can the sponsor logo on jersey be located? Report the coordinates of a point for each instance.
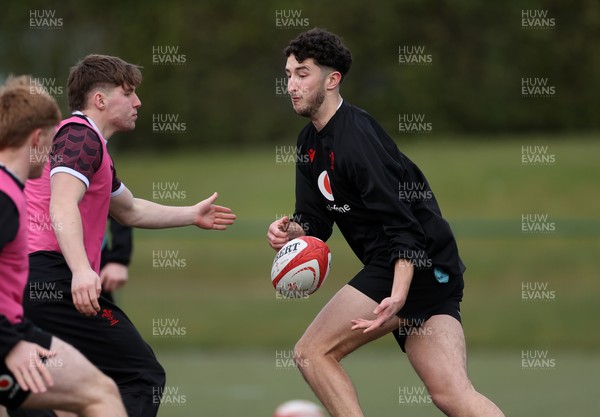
(325, 186)
(311, 154)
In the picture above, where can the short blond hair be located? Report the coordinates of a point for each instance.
(25, 105)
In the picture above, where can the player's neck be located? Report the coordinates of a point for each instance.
(105, 128)
(326, 111)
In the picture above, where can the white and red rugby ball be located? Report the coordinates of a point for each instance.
(300, 267)
(299, 408)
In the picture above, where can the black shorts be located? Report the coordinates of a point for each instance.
(108, 340)
(11, 394)
(426, 296)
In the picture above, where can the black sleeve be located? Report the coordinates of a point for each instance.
(378, 170)
(120, 245)
(9, 336)
(9, 220)
(310, 211)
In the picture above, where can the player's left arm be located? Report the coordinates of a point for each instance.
(377, 177)
(136, 212)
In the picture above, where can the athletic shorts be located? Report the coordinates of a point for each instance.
(11, 394)
(426, 296)
(109, 340)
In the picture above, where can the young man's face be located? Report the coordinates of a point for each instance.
(121, 107)
(306, 85)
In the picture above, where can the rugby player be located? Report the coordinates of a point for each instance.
(412, 281)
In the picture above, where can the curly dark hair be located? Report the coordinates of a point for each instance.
(326, 48)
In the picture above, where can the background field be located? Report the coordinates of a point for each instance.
(212, 315)
(235, 327)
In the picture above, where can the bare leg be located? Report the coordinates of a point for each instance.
(79, 387)
(439, 358)
(327, 340)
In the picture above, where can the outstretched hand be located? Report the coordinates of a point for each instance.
(212, 217)
(385, 312)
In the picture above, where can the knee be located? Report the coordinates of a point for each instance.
(451, 401)
(95, 389)
(301, 354)
(306, 352)
(444, 401)
(109, 387)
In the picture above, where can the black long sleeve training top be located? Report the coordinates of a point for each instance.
(352, 173)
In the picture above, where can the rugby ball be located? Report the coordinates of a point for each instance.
(300, 267)
(299, 408)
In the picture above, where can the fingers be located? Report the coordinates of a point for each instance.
(38, 376)
(44, 353)
(98, 291)
(360, 324)
(384, 312)
(367, 325)
(85, 297)
(277, 242)
(225, 217)
(47, 377)
(222, 209)
(277, 234)
(284, 224)
(34, 377)
(94, 293)
(109, 285)
(212, 198)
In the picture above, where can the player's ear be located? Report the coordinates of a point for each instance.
(98, 99)
(333, 80)
(35, 138)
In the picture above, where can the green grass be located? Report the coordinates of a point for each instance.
(252, 384)
(224, 361)
(483, 190)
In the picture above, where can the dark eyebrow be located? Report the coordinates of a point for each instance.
(128, 88)
(299, 68)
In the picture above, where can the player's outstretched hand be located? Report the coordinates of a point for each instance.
(86, 289)
(385, 312)
(211, 217)
(25, 362)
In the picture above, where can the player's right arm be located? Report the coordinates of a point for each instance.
(310, 217)
(66, 193)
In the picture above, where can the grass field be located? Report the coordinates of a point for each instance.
(212, 316)
(250, 384)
